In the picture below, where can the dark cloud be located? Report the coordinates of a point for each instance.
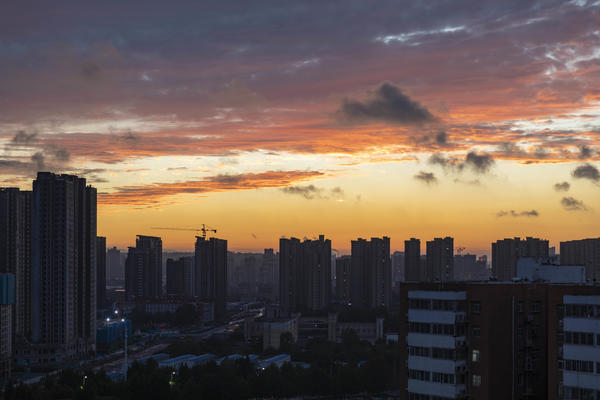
(513, 213)
(587, 171)
(90, 70)
(479, 162)
(441, 138)
(388, 104)
(562, 186)
(426, 177)
(24, 138)
(38, 161)
(311, 192)
(585, 152)
(572, 204)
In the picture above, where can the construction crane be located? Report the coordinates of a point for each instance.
(202, 232)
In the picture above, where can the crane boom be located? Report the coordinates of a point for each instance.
(203, 231)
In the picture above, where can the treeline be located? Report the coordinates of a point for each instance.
(328, 375)
(231, 380)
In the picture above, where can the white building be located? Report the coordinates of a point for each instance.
(581, 349)
(535, 269)
(437, 366)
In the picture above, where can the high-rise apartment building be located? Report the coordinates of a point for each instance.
(180, 276)
(505, 254)
(210, 263)
(398, 270)
(371, 276)
(491, 340)
(63, 283)
(304, 274)
(15, 253)
(440, 260)
(343, 277)
(143, 268)
(114, 268)
(100, 272)
(7, 300)
(412, 260)
(584, 252)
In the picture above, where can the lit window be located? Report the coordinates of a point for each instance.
(476, 380)
(475, 356)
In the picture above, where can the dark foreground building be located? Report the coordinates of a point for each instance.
(500, 341)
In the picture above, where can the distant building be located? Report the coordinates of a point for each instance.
(114, 268)
(398, 269)
(100, 272)
(537, 269)
(505, 254)
(343, 266)
(143, 268)
(371, 276)
(412, 260)
(15, 253)
(7, 300)
(440, 259)
(304, 274)
(180, 276)
(467, 267)
(584, 252)
(63, 262)
(211, 272)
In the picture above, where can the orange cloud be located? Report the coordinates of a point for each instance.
(148, 195)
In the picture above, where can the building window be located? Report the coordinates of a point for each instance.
(476, 331)
(535, 306)
(476, 307)
(476, 380)
(520, 306)
(475, 356)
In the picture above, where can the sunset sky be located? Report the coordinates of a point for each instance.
(477, 120)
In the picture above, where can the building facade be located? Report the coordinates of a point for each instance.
(7, 300)
(412, 260)
(15, 253)
(143, 268)
(63, 283)
(304, 274)
(440, 260)
(584, 252)
(180, 277)
(210, 263)
(101, 272)
(371, 273)
(491, 340)
(343, 267)
(506, 252)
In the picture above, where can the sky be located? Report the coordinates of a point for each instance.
(476, 120)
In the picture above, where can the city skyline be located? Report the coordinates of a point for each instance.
(477, 122)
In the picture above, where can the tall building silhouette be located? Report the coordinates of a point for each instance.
(63, 268)
(343, 278)
(210, 263)
(7, 300)
(412, 260)
(180, 276)
(506, 252)
(371, 275)
(304, 274)
(15, 253)
(440, 259)
(582, 252)
(114, 268)
(101, 272)
(143, 268)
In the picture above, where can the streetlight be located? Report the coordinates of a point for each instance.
(125, 363)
